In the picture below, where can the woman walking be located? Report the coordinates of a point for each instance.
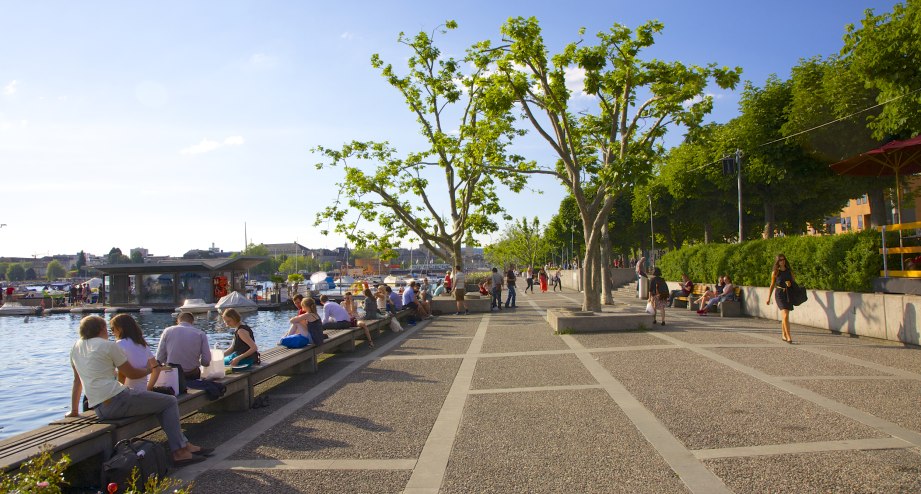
(658, 294)
(543, 278)
(782, 278)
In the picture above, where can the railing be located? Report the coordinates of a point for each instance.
(901, 250)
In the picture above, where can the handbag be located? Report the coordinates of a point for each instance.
(294, 341)
(649, 308)
(148, 457)
(797, 294)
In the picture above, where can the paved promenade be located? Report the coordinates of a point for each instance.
(497, 403)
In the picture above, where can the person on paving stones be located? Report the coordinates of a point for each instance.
(510, 279)
(243, 351)
(95, 359)
(495, 289)
(658, 294)
(460, 288)
(782, 278)
(529, 281)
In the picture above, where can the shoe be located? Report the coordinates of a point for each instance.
(466, 312)
(204, 452)
(663, 323)
(188, 461)
(702, 314)
(411, 324)
(457, 314)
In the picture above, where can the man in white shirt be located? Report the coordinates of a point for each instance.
(335, 317)
(460, 284)
(184, 345)
(94, 359)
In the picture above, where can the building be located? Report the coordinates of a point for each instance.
(170, 283)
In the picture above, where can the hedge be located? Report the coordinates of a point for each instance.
(846, 262)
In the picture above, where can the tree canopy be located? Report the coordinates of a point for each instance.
(55, 270)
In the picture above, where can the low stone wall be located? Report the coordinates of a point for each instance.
(886, 316)
(572, 278)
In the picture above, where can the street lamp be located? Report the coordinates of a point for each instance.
(652, 235)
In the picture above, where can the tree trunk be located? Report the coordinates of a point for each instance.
(708, 232)
(458, 255)
(878, 207)
(769, 220)
(607, 298)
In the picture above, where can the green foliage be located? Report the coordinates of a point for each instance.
(270, 266)
(295, 278)
(40, 474)
(115, 256)
(16, 272)
(298, 263)
(136, 257)
(153, 485)
(885, 54)
(468, 128)
(30, 273)
(846, 262)
(522, 243)
(3, 267)
(55, 270)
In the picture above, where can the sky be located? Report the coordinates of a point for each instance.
(177, 125)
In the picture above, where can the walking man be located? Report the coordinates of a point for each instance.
(460, 288)
(510, 282)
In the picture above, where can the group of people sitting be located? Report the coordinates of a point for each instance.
(118, 377)
(660, 297)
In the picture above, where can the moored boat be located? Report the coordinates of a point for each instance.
(234, 300)
(195, 306)
(17, 309)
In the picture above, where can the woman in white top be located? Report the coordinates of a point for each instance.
(128, 337)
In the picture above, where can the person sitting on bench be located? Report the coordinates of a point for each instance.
(335, 317)
(729, 293)
(184, 345)
(94, 359)
(687, 286)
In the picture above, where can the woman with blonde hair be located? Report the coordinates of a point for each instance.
(782, 278)
(243, 352)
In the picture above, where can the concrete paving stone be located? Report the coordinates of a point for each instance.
(565, 441)
(384, 410)
(618, 339)
(521, 338)
(896, 401)
(841, 472)
(894, 355)
(788, 361)
(529, 371)
(708, 336)
(708, 405)
(429, 345)
(300, 481)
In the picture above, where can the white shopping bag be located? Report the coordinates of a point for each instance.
(649, 308)
(169, 377)
(216, 369)
(395, 325)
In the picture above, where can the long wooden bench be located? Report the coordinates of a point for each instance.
(86, 436)
(690, 299)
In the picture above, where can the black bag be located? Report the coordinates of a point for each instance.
(796, 294)
(148, 457)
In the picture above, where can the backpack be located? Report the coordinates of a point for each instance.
(661, 288)
(148, 457)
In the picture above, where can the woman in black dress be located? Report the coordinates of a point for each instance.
(782, 278)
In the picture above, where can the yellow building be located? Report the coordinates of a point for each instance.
(855, 216)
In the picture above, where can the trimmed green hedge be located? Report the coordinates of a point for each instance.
(845, 263)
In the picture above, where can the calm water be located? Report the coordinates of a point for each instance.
(35, 376)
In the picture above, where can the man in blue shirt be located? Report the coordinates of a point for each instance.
(409, 302)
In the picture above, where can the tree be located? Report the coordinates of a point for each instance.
(55, 270)
(293, 264)
(30, 273)
(611, 148)
(885, 52)
(115, 256)
(397, 192)
(15, 272)
(80, 262)
(3, 267)
(137, 257)
(269, 267)
(522, 243)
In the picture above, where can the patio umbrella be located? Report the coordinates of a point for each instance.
(893, 158)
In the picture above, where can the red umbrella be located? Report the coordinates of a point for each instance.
(893, 158)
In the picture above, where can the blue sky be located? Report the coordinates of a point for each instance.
(167, 125)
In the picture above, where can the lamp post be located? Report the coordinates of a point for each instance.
(572, 240)
(652, 235)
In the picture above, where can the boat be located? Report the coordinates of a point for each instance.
(234, 300)
(195, 306)
(17, 309)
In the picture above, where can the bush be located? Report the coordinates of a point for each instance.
(835, 262)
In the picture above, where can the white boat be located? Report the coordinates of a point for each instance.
(17, 309)
(195, 306)
(393, 281)
(234, 300)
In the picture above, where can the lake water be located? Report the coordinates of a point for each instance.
(36, 378)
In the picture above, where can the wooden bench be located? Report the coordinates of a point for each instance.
(86, 436)
(689, 300)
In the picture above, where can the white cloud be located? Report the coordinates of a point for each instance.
(10, 88)
(263, 61)
(347, 35)
(207, 145)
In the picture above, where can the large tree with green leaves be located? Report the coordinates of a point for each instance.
(445, 191)
(522, 243)
(55, 270)
(611, 148)
(885, 53)
(15, 272)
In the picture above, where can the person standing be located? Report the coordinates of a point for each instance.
(557, 281)
(658, 294)
(640, 273)
(529, 280)
(460, 288)
(94, 360)
(510, 279)
(782, 278)
(495, 289)
(543, 278)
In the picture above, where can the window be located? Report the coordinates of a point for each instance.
(860, 222)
